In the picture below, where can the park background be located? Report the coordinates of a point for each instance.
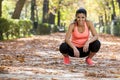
(32, 30)
(21, 18)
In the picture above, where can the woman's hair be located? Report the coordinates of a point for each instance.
(81, 10)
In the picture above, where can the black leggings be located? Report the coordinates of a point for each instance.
(93, 47)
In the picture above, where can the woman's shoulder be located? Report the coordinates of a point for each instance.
(72, 24)
(88, 22)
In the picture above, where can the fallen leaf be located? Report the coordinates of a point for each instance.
(20, 58)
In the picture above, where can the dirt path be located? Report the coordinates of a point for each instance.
(38, 58)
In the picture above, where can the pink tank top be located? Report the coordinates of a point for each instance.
(79, 39)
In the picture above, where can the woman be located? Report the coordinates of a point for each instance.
(77, 40)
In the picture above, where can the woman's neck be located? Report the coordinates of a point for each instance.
(80, 25)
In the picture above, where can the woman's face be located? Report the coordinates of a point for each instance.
(80, 17)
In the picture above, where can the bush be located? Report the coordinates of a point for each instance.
(107, 29)
(54, 28)
(14, 28)
(4, 27)
(25, 27)
(115, 28)
(44, 28)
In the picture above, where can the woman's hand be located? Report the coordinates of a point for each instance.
(85, 47)
(76, 52)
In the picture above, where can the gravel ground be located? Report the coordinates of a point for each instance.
(38, 58)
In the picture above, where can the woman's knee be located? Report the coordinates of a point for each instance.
(63, 48)
(95, 46)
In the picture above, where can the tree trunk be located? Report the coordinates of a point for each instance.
(51, 18)
(58, 18)
(114, 13)
(106, 20)
(59, 13)
(45, 11)
(1, 36)
(1, 8)
(18, 9)
(119, 5)
(33, 4)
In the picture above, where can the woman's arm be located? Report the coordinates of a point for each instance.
(93, 31)
(67, 40)
(93, 38)
(68, 35)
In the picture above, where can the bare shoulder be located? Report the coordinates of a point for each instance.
(71, 26)
(89, 23)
